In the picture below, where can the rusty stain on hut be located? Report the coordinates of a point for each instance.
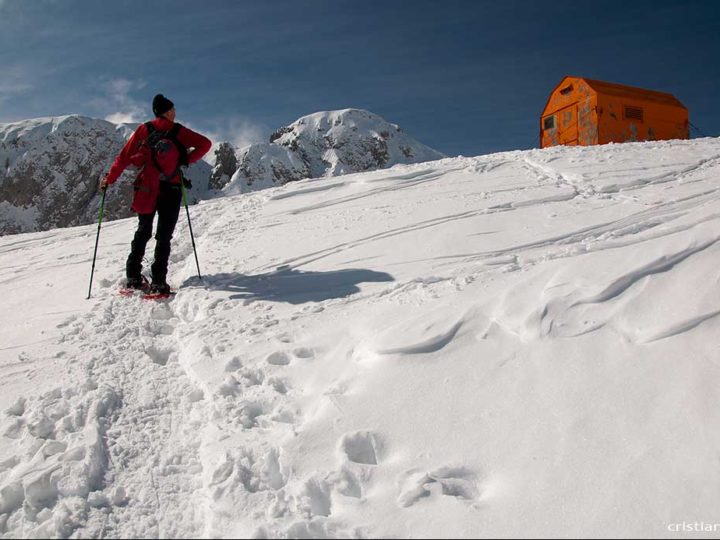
(585, 112)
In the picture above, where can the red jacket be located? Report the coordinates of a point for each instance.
(147, 185)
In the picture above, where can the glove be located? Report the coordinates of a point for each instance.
(187, 183)
(103, 185)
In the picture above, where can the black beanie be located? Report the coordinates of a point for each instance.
(161, 105)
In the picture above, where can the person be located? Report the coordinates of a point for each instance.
(157, 188)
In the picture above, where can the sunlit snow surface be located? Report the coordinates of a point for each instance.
(522, 344)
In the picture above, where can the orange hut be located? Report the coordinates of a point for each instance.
(584, 112)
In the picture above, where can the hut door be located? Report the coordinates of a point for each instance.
(568, 125)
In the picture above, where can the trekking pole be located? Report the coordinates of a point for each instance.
(97, 238)
(192, 238)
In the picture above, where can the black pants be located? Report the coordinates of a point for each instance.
(167, 210)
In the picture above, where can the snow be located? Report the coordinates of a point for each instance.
(264, 158)
(521, 344)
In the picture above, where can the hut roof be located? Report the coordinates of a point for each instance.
(603, 87)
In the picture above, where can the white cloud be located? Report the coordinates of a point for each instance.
(122, 118)
(239, 132)
(117, 103)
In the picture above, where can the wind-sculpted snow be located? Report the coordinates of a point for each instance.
(513, 345)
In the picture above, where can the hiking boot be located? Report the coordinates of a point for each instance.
(160, 288)
(138, 283)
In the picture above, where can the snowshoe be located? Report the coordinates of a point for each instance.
(135, 286)
(158, 291)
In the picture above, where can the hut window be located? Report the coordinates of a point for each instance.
(565, 91)
(634, 113)
(549, 122)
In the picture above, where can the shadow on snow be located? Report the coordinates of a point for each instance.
(290, 285)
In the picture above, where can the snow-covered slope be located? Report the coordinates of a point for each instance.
(325, 144)
(50, 168)
(514, 345)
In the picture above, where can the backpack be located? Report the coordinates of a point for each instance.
(166, 152)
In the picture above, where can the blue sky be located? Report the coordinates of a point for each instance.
(464, 77)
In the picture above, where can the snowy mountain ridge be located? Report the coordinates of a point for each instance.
(326, 144)
(50, 167)
(515, 345)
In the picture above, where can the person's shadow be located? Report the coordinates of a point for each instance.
(293, 286)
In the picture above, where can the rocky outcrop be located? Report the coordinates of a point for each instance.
(226, 164)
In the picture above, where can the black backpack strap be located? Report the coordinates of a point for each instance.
(152, 137)
(172, 135)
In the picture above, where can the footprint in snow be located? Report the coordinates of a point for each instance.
(233, 365)
(196, 395)
(161, 312)
(159, 355)
(278, 384)
(361, 447)
(304, 353)
(230, 387)
(459, 482)
(249, 413)
(278, 359)
(315, 499)
(347, 483)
